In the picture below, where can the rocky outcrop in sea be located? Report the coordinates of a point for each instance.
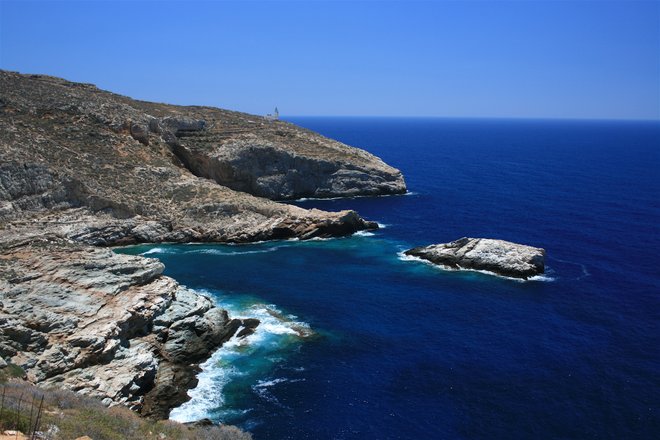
(82, 169)
(498, 256)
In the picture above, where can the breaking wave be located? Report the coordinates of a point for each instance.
(246, 359)
(156, 250)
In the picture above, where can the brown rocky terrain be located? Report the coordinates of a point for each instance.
(81, 168)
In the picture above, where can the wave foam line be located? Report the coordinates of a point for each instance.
(312, 199)
(156, 250)
(274, 331)
(230, 253)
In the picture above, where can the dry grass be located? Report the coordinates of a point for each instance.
(66, 416)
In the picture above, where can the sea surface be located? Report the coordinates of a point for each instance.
(357, 342)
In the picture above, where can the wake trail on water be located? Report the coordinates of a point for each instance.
(583, 267)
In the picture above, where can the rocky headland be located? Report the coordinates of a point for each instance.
(498, 256)
(82, 169)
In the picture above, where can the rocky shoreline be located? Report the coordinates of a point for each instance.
(82, 169)
(105, 325)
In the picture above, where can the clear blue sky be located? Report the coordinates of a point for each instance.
(566, 59)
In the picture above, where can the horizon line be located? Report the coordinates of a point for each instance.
(529, 118)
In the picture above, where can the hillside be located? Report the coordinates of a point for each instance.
(82, 168)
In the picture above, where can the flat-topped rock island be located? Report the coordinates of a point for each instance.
(498, 256)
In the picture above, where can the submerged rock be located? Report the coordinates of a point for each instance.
(497, 256)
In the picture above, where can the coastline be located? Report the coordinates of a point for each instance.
(321, 199)
(83, 170)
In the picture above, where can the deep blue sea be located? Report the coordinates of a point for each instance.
(358, 343)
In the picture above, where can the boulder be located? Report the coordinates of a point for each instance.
(140, 133)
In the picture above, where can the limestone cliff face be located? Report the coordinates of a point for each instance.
(281, 161)
(247, 153)
(67, 146)
(101, 323)
(82, 168)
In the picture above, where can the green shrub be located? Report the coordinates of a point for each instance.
(11, 371)
(12, 419)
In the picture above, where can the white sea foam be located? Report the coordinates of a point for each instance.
(262, 389)
(229, 253)
(541, 278)
(269, 383)
(404, 257)
(274, 330)
(364, 234)
(382, 225)
(156, 250)
(266, 395)
(308, 199)
(276, 323)
(208, 392)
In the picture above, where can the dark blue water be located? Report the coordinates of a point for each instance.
(358, 344)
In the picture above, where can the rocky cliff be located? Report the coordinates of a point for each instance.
(103, 324)
(247, 153)
(82, 168)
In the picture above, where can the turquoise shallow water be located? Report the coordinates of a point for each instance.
(357, 343)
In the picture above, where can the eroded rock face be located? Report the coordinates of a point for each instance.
(110, 170)
(87, 134)
(101, 323)
(266, 165)
(498, 256)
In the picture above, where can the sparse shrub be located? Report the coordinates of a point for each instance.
(14, 420)
(67, 415)
(11, 371)
(64, 399)
(221, 433)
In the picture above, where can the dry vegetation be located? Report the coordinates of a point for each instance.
(63, 415)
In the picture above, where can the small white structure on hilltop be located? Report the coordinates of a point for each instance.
(273, 116)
